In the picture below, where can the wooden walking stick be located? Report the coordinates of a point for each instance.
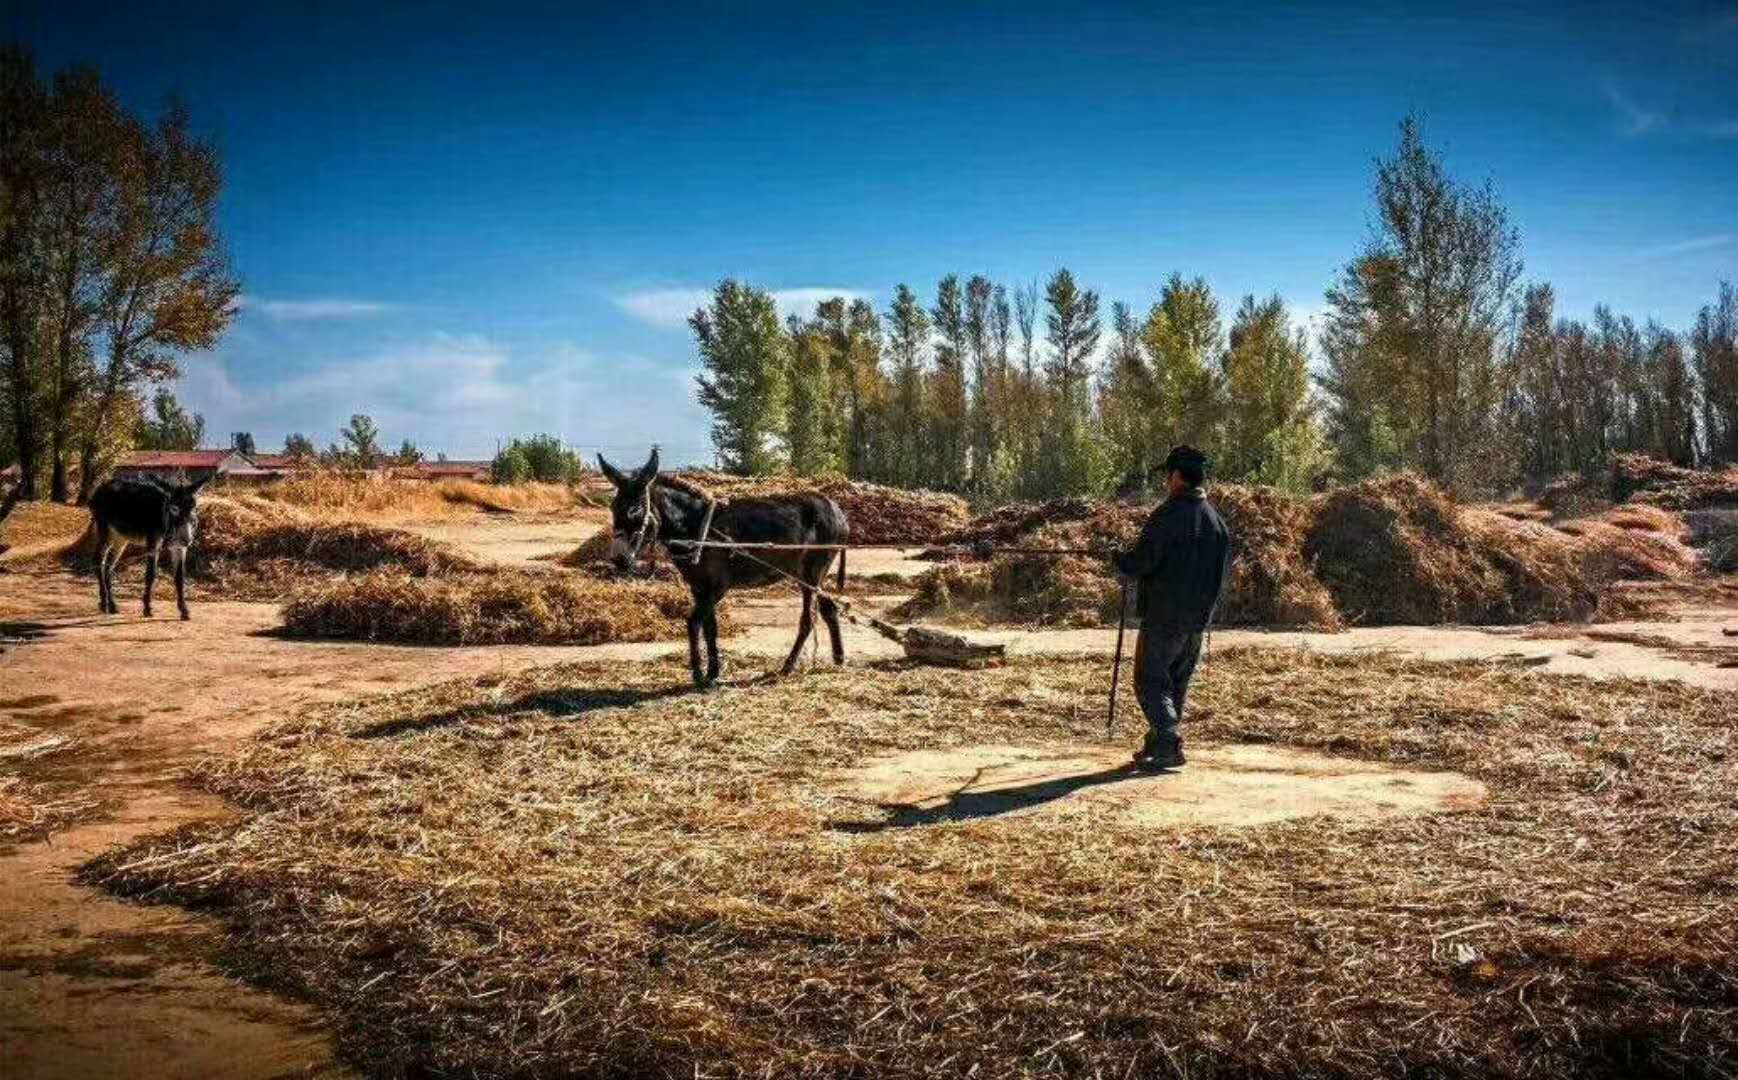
(1116, 668)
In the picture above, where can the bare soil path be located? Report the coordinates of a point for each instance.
(92, 986)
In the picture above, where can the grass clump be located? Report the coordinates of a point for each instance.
(505, 607)
(579, 870)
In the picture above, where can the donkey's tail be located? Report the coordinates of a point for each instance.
(842, 553)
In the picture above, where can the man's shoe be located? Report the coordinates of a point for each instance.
(1159, 754)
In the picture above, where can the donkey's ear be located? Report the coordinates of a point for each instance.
(194, 487)
(650, 472)
(614, 474)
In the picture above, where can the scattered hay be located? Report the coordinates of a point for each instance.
(1644, 479)
(502, 608)
(32, 807)
(574, 871)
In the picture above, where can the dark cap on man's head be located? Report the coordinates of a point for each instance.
(1186, 459)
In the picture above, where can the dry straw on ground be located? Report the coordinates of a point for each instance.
(583, 871)
(503, 607)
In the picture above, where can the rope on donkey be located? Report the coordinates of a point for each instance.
(922, 643)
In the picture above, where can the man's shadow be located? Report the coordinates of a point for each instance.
(963, 804)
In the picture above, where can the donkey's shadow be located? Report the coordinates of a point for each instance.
(562, 703)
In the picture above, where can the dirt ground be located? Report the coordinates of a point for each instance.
(93, 986)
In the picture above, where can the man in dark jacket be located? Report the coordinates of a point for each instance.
(1181, 562)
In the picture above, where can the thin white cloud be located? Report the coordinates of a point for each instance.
(459, 394)
(1632, 118)
(1688, 247)
(668, 309)
(308, 310)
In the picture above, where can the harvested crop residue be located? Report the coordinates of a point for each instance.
(586, 868)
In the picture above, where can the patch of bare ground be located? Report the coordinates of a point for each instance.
(583, 869)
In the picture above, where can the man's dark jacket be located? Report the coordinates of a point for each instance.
(1181, 560)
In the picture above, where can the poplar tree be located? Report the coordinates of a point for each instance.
(947, 416)
(1418, 316)
(907, 338)
(1270, 432)
(746, 378)
(1714, 352)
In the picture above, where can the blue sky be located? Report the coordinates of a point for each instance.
(473, 223)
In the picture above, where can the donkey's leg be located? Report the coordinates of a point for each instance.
(830, 616)
(151, 574)
(804, 625)
(102, 569)
(180, 556)
(714, 666)
(106, 563)
(694, 622)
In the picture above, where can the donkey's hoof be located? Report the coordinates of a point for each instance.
(185, 616)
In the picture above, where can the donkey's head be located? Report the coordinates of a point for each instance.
(182, 509)
(632, 518)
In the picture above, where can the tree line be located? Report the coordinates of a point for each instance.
(1434, 355)
(110, 265)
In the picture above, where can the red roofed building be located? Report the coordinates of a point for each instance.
(189, 464)
(454, 470)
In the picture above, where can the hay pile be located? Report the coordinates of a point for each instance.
(1644, 479)
(1715, 533)
(38, 528)
(574, 872)
(250, 549)
(1391, 550)
(877, 514)
(505, 607)
(328, 493)
(1398, 550)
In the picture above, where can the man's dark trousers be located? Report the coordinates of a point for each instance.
(1165, 661)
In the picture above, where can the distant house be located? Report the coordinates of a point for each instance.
(190, 464)
(276, 466)
(454, 470)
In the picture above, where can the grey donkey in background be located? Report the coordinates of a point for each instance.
(152, 513)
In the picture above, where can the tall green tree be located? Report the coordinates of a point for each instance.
(169, 288)
(1127, 395)
(84, 134)
(907, 340)
(1183, 337)
(1073, 457)
(24, 265)
(813, 425)
(298, 447)
(1270, 432)
(746, 379)
(948, 416)
(360, 443)
(1714, 353)
(1416, 323)
(170, 426)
